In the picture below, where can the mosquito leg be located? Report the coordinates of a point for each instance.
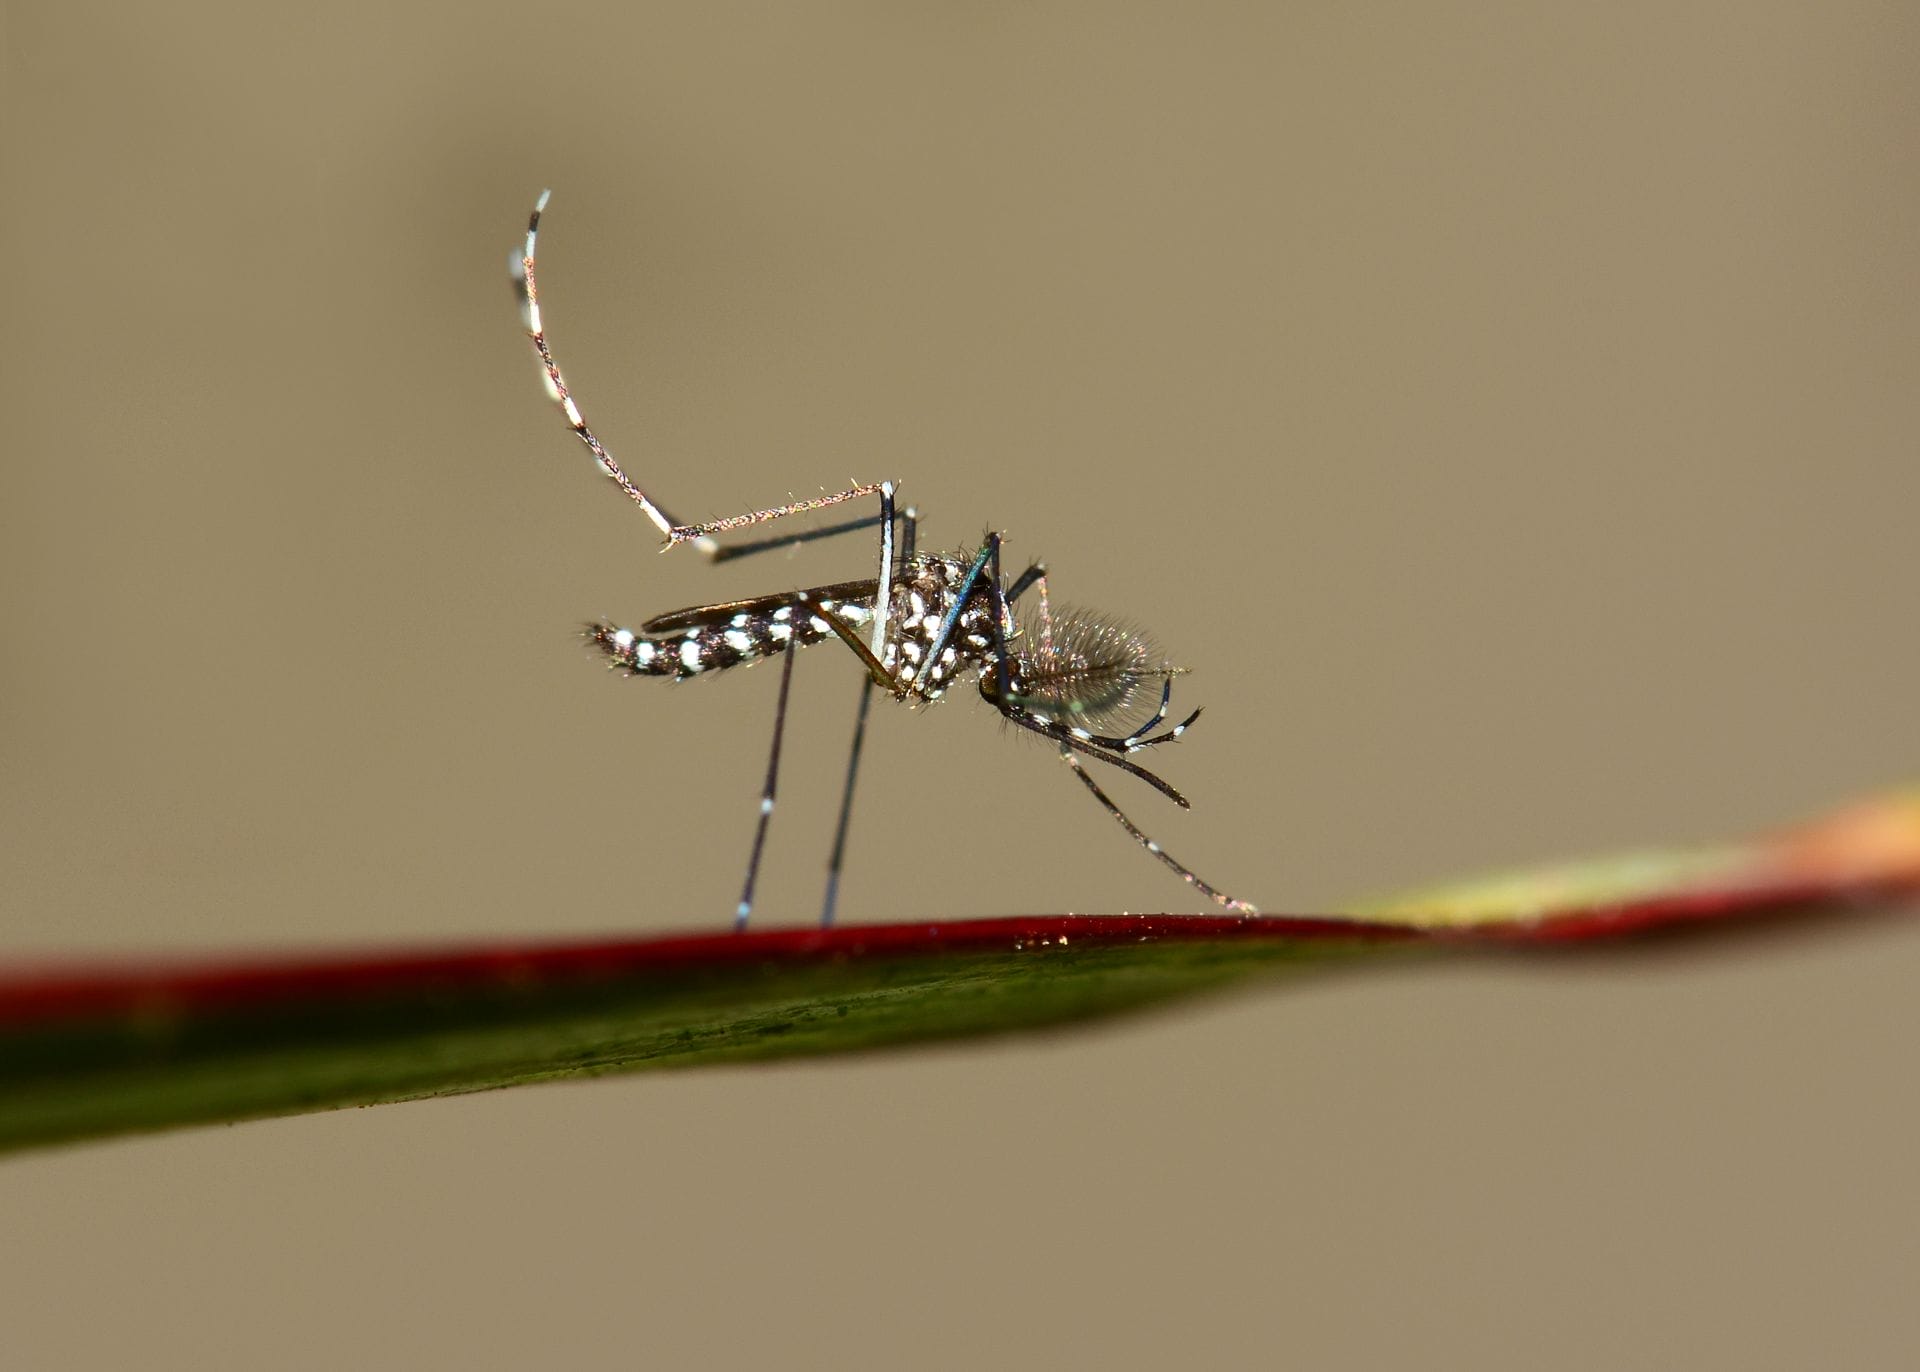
(1072, 740)
(876, 671)
(1021, 583)
(766, 795)
(846, 807)
(521, 268)
(1136, 738)
(1131, 742)
(731, 551)
(1046, 617)
(1000, 695)
(883, 598)
(909, 539)
(1134, 741)
(909, 534)
(1036, 574)
(888, 567)
(1067, 740)
(1185, 873)
(693, 533)
(988, 554)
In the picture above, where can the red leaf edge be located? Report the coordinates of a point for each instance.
(1867, 852)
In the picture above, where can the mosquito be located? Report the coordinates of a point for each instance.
(923, 624)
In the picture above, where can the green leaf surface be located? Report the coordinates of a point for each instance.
(88, 1051)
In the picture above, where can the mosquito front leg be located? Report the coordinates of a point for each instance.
(900, 557)
(1138, 739)
(1185, 873)
(989, 554)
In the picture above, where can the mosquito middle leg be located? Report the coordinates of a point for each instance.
(745, 907)
(838, 856)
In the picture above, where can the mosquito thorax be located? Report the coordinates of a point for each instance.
(923, 597)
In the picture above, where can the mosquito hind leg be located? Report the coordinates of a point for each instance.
(521, 268)
(731, 551)
(694, 533)
(526, 288)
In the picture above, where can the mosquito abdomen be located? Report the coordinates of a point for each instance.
(731, 641)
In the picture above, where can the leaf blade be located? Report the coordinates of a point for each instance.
(90, 1051)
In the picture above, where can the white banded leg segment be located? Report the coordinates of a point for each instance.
(527, 289)
(1185, 873)
(745, 908)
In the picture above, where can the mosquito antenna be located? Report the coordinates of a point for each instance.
(1185, 873)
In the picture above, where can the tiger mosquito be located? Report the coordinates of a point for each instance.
(929, 619)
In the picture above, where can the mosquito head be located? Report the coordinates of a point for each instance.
(1084, 669)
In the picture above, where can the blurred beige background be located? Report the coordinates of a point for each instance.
(1508, 412)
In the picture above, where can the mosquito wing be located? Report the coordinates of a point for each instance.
(702, 616)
